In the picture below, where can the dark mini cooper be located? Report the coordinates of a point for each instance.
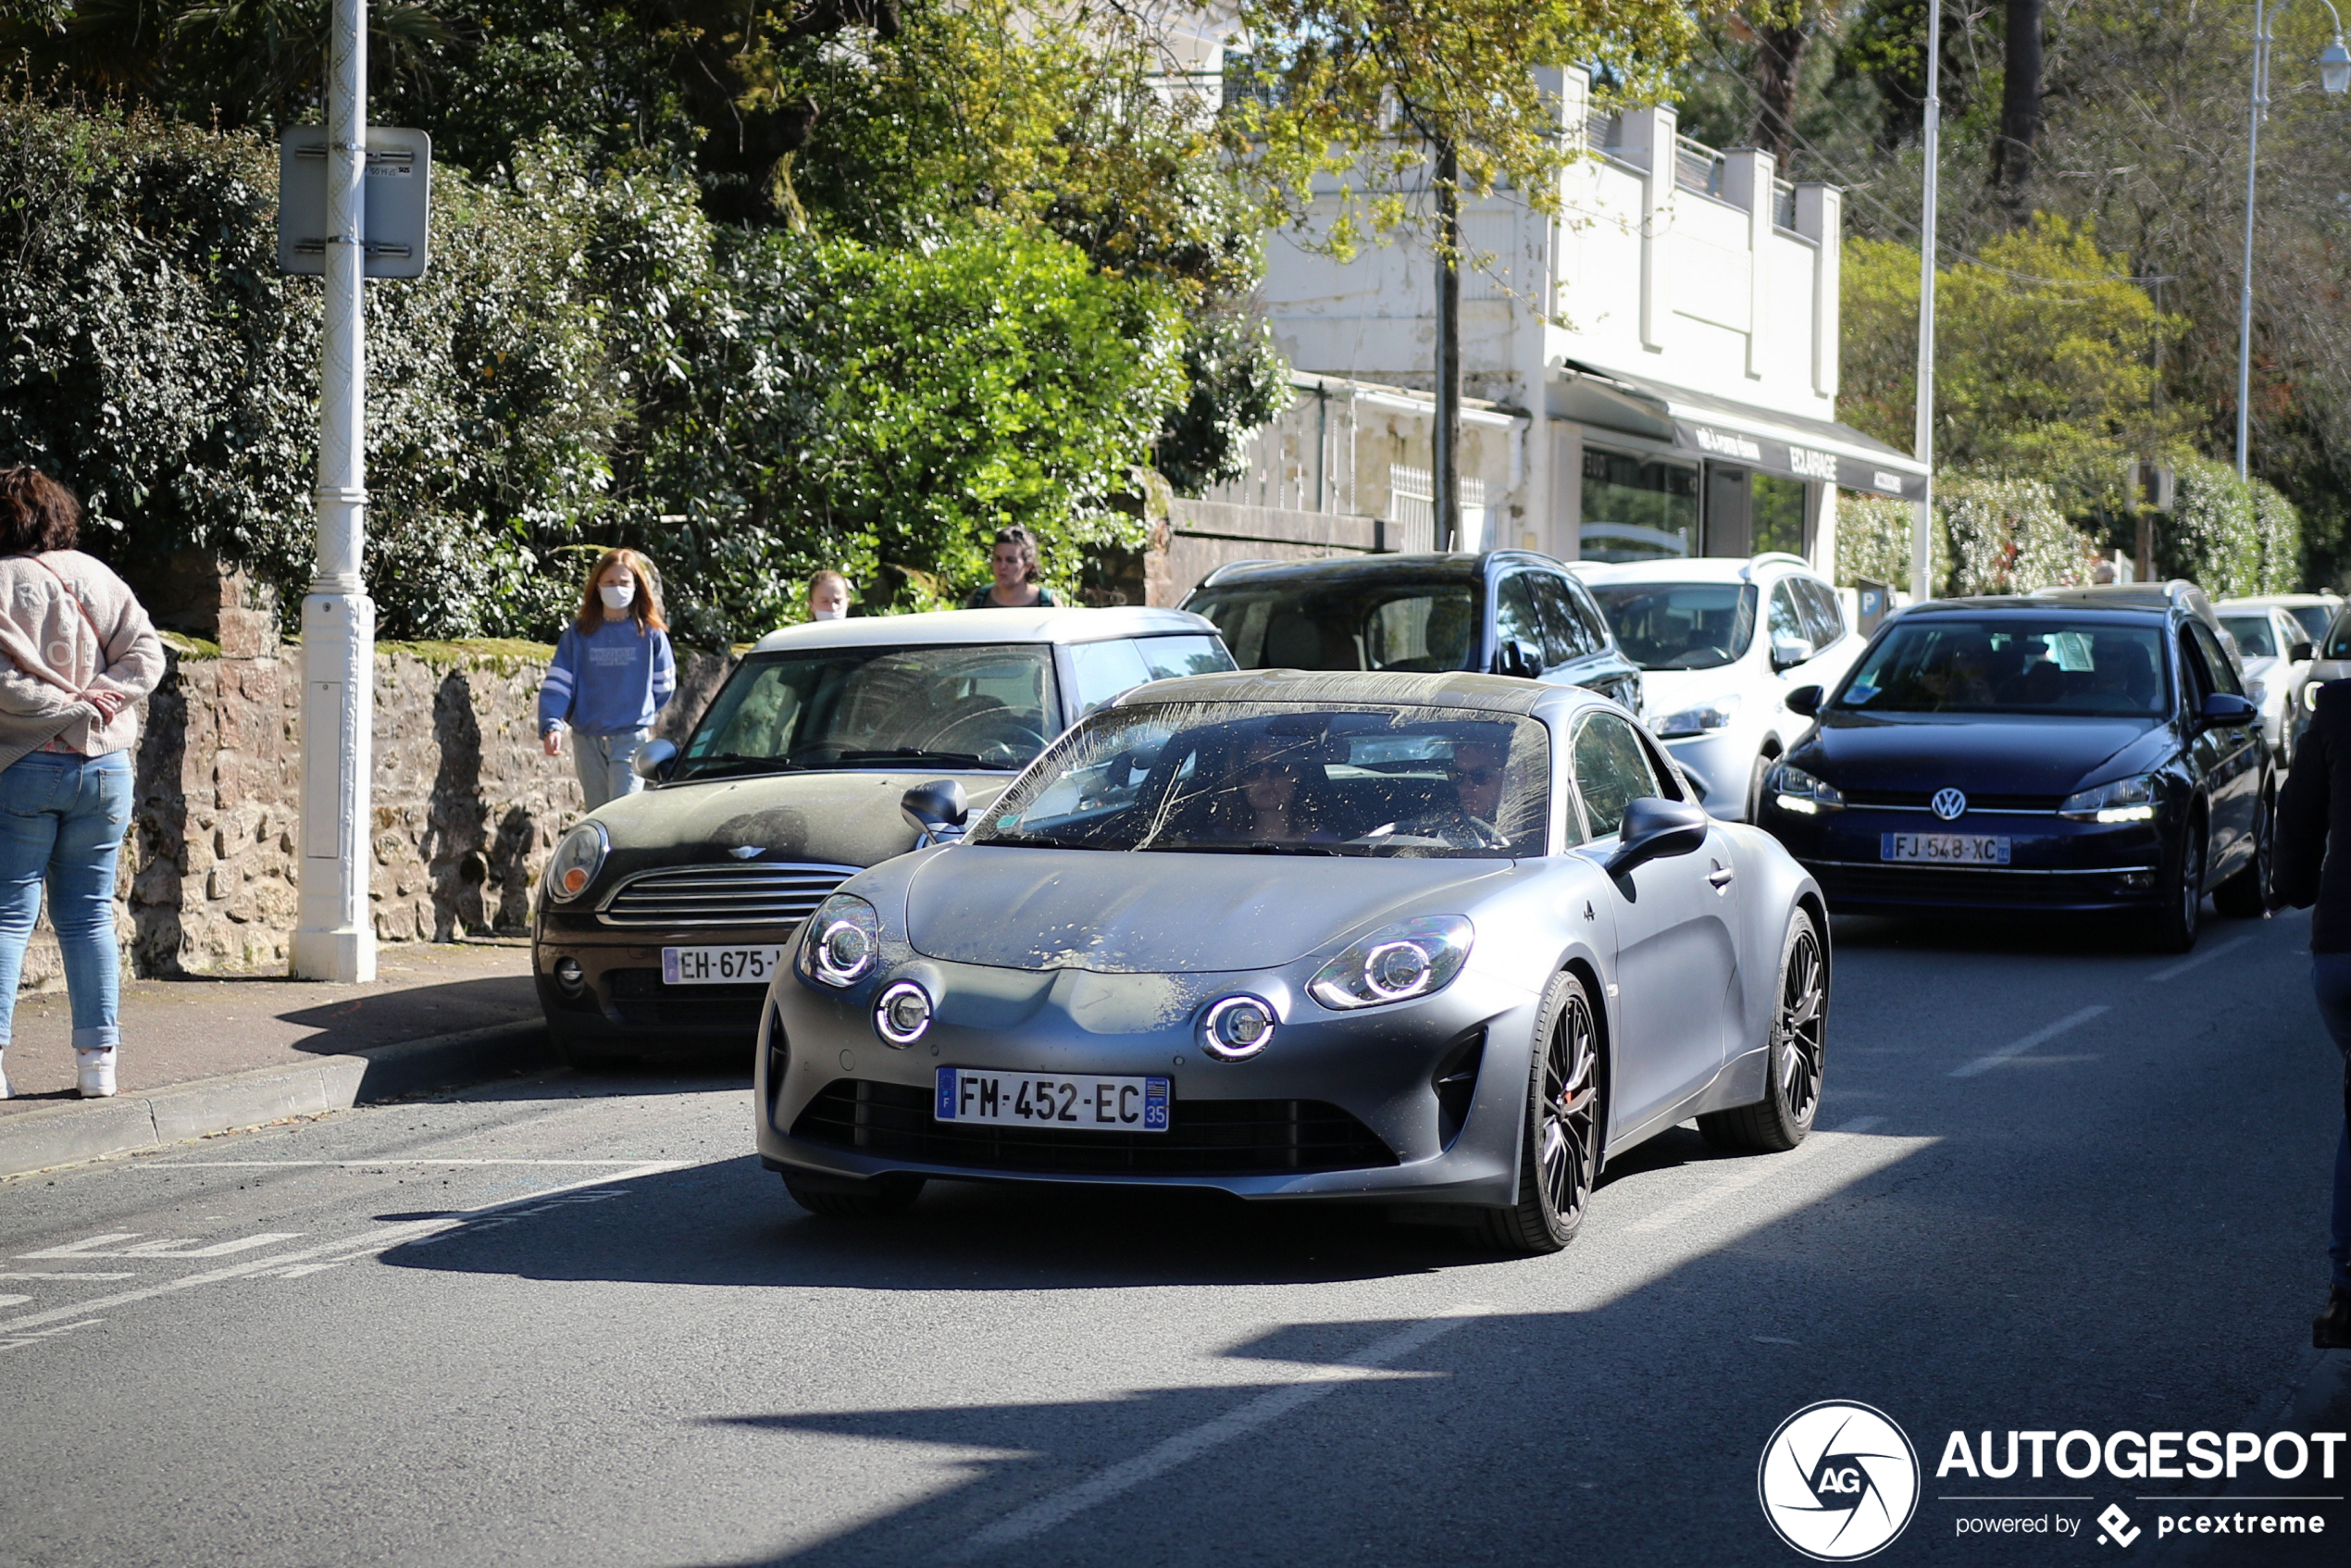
(2052, 754)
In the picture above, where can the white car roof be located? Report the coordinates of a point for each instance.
(1691, 568)
(1060, 624)
(2282, 601)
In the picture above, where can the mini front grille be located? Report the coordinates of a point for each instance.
(1203, 1136)
(723, 895)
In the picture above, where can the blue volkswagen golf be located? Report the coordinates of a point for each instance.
(2043, 754)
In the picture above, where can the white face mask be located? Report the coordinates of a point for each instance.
(829, 613)
(616, 598)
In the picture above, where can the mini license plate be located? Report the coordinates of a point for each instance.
(718, 965)
(1042, 1099)
(1944, 849)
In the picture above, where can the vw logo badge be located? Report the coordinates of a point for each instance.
(1838, 1481)
(1949, 804)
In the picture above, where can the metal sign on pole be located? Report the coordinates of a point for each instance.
(396, 204)
(335, 939)
(1922, 445)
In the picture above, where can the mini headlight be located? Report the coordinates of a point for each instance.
(1237, 1029)
(1792, 789)
(1411, 958)
(843, 941)
(576, 862)
(1697, 720)
(902, 1013)
(2125, 800)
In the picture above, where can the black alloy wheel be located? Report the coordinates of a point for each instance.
(1796, 1057)
(2246, 896)
(2176, 923)
(1559, 1144)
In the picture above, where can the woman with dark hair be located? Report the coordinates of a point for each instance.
(1013, 564)
(76, 654)
(613, 671)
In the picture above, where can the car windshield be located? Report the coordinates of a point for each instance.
(982, 707)
(2013, 664)
(1371, 623)
(1285, 778)
(2314, 620)
(2254, 639)
(1680, 625)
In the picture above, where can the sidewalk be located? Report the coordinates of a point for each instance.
(206, 1055)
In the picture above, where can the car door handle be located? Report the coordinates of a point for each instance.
(1721, 878)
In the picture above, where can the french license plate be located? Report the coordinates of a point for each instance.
(1040, 1099)
(1944, 849)
(718, 965)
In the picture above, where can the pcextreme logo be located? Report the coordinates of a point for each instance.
(1838, 1481)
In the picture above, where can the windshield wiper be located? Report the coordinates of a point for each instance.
(732, 762)
(1040, 842)
(916, 754)
(1238, 849)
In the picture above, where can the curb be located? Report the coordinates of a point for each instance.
(71, 1134)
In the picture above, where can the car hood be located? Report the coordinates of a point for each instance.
(1667, 691)
(1118, 912)
(1979, 754)
(845, 818)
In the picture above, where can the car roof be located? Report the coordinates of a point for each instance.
(1692, 568)
(1447, 689)
(1049, 625)
(2282, 601)
(2039, 604)
(1332, 569)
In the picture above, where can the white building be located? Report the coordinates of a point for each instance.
(1656, 367)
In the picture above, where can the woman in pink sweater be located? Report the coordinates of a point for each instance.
(76, 654)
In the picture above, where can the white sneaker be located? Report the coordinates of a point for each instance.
(94, 1070)
(3, 1083)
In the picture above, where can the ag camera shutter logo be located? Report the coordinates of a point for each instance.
(1839, 1481)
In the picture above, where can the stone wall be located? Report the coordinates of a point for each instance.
(467, 805)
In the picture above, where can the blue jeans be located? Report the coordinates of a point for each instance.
(2331, 976)
(62, 818)
(606, 764)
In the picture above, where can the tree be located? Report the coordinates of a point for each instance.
(2020, 107)
(1405, 103)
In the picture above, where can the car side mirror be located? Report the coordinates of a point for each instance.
(938, 810)
(1656, 830)
(2301, 653)
(1789, 651)
(1805, 699)
(2226, 708)
(1519, 657)
(656, 761)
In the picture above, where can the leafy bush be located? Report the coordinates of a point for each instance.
(2007, 536)
(1873, 539)
(2279, 524)
(2213, 537)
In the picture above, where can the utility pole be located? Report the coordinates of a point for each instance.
(1445, 488)
(336, 938)
(1922, 531)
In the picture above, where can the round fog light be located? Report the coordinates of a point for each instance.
(1237, 1029)
(569, 975)
(902, 1013)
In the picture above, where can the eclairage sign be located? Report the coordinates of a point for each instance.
(1796, 462)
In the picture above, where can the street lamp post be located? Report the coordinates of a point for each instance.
(334, 937)
(2334, 75)
(1923, 440)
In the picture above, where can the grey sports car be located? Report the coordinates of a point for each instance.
(1439, 942)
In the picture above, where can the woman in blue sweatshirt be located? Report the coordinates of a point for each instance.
(613, 672)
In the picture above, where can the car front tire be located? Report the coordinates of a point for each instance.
(2175, 927)
(2244, 895)
(1794, 1057)
(1560, 1131)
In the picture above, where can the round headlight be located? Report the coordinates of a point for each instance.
(1393, 971)
(902, 1013)
(843, 942)
(1237, 1029)
(576, 862)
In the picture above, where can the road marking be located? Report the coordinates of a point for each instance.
(2207, 956)
(348, 1165)
(15, 1341)
(181, 1247)
(349, 1246)
(1313, 1384)
(2038, 1037)
(14, 1301)
(1752, 1173)
(63, 1273)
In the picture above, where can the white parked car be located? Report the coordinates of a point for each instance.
(1720, 643)
(2314, 612)
(2269, 636)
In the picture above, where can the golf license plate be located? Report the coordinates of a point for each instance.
(1944, 849)
(718, 965)
(1050, 1099)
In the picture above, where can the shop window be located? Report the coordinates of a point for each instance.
(1637, 509)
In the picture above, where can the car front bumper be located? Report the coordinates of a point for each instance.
(2056, 865)
(621, 1006)
(1340, 1105)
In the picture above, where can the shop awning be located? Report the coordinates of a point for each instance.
(1762, 438)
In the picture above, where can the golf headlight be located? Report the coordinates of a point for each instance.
(1411, 958)
(2310, 695)
(2125, 800)
(1792, 789)
(576, 862)
(843, 942)
(1698, 719)
(902, 1013)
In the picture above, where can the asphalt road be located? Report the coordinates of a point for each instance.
(2064, 1186)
